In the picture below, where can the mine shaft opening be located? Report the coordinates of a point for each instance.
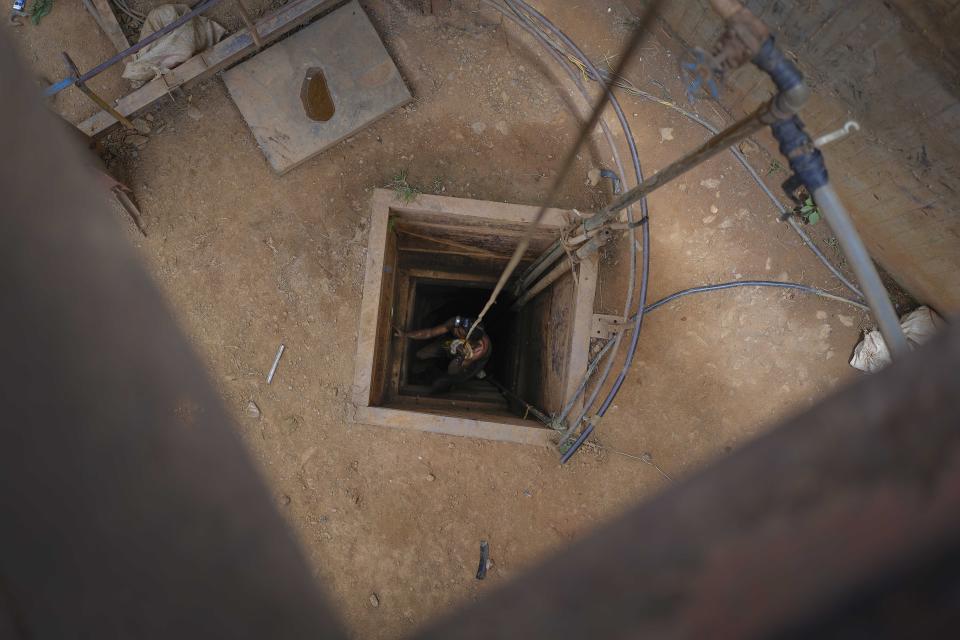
(447, 267)
(433, 258)
(436, 301)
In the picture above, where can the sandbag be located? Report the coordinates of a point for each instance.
(918, 327)
(176, 47)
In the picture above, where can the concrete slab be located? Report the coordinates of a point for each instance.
(363, 82)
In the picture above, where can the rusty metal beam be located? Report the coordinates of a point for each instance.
(74, 73)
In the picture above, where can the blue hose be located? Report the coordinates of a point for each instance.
(780, 69)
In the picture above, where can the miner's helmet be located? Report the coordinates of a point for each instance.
(462, 322)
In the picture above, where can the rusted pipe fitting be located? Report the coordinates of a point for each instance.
(726, 8)
(741, 40)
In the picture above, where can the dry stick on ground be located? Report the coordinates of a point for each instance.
(646, 458)
(568, 162)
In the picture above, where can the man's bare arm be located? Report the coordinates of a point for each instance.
(426, 334)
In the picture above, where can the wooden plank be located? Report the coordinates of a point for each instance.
(462, 207)
(447, 276)
(108, 22)
(383, 354)
(479, 265)
(403, 297)
(548, 349)
(464, 427)
(370, 312)
(499, 241)
(214, 59)
(580, 335)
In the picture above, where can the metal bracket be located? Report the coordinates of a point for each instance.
(606, 326)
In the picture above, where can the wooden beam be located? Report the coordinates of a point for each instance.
(456, 426)
(579, 354)
(108, 22)
(209, 62)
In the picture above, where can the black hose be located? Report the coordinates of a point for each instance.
(606, 77)
(644, 273)
(755, 283)
(644, 279)
(536, 33)
(702, 289)
(524, 22)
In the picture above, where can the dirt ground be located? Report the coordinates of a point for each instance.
(249, 260)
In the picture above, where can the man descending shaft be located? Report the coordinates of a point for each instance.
(465, 359)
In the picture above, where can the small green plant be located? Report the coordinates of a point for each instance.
(808, 211)
(775, 166)
(404, 190)
(39, 9)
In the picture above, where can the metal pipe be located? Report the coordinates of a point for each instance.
(730, 136)
(633, 90)
(629, 50)
(276, 361)
(572, 400)
(874, 292)
(792, 96)
(153, 37)
(599, 239)
(541, 264)
(100, 102)
(541, 284)
(579, 55)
